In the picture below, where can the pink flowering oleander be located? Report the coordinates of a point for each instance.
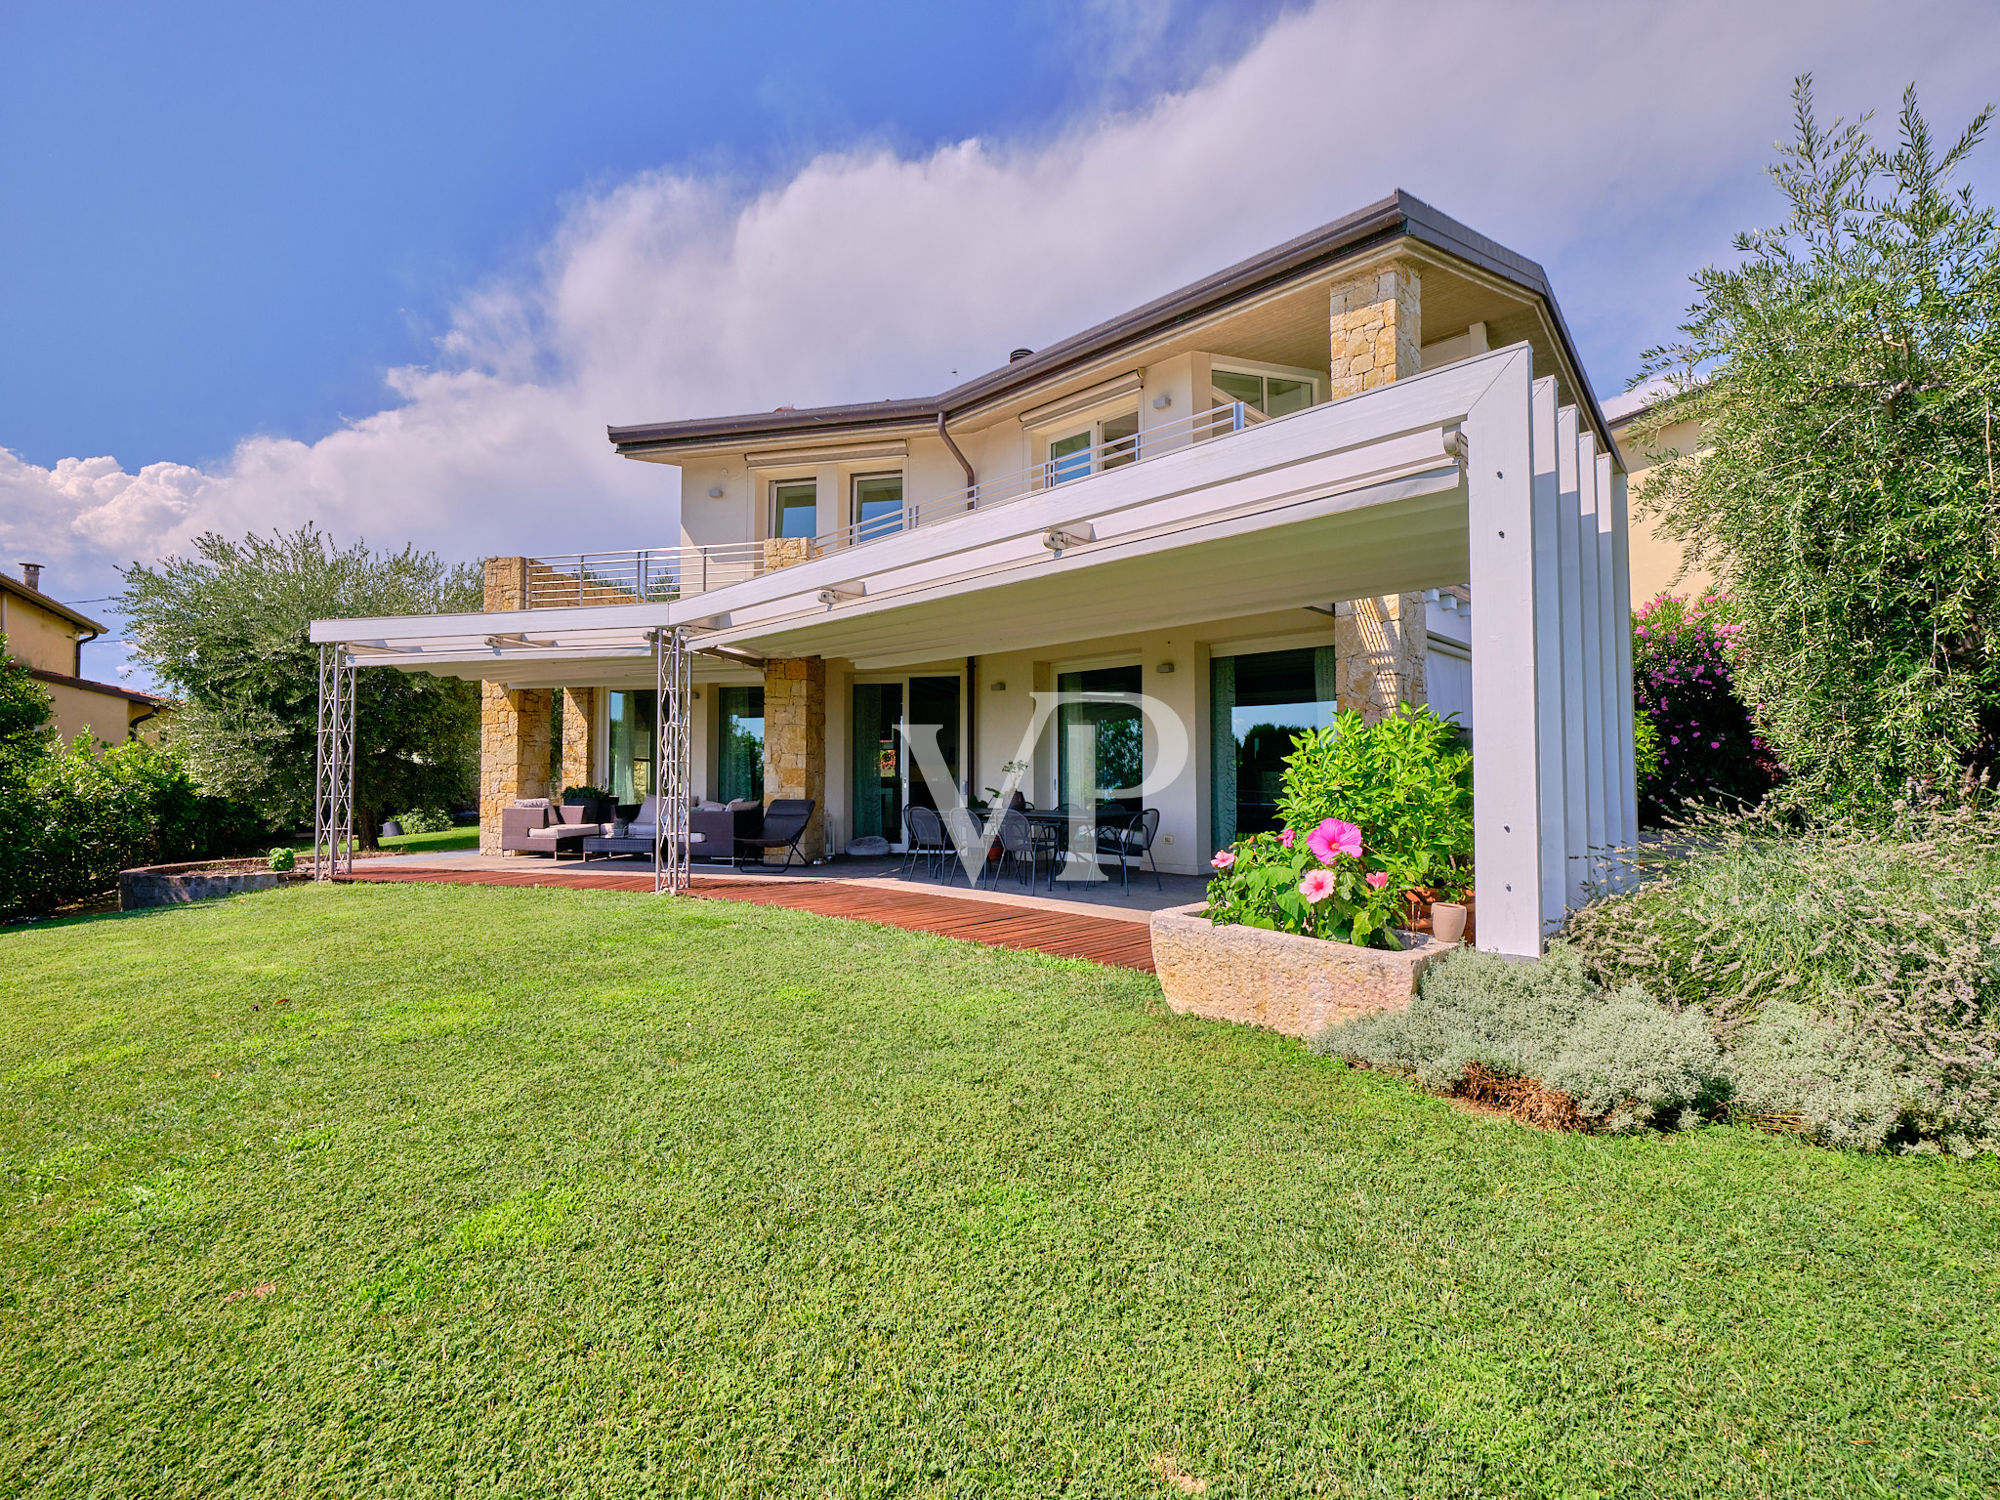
(1379, 879)
(1332, 838)
(1317, 886)
(1224, 859)
(1287, 837)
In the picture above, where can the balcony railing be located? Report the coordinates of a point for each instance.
(659, 574)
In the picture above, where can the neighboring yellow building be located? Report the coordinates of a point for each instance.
(1657, 563)
(48, 637)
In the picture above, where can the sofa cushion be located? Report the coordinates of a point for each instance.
(532, 802)
(746, 804)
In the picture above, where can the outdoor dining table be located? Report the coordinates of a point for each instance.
(1048, 829)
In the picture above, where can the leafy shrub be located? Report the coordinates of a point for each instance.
(1318, 885)
(1886, 927)
(1645, 746)
(1820, 1077)
(1684, 656)
(1631, 1063)
(426, 820)
(1405, 780)
(283, 859)
(78, 814)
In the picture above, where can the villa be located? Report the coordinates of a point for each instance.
(1360, 469)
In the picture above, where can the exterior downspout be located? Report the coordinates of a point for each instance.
(971, 483)
(971, 727)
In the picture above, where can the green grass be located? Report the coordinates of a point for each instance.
(435, 843)
(408, 1190)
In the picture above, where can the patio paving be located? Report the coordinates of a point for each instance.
(1105, 925)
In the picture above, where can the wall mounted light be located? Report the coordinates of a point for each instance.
(1164, 668)
(1161, 403)
(715, 492)
(999, 687)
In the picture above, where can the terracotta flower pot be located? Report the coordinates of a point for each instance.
(1447, 922)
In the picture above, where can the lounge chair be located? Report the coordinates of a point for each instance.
(785, 823)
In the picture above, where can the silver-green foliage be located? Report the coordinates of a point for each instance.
(1510, 1017)
(1889, 928)
(1631, 1062)
(1794, 1070)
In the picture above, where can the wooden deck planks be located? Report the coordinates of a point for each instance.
(1104, 940)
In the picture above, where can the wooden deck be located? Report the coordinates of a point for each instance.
(1118, 942)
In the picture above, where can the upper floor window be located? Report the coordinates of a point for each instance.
(795, 509)
(1109, 444)
(1273, 395)
(878, 505)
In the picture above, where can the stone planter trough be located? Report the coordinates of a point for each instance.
(1294, 985)
(201, 880)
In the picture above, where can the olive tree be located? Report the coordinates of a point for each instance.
(1843, 371)
(225, 630)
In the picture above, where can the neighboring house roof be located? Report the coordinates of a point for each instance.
(53, 606)
(63, 679)
(1398, 216)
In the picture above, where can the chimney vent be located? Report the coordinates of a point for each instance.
(1018, 355)
(31, 575)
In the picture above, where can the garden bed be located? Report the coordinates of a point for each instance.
(197, 880)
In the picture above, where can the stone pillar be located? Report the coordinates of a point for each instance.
(579, 720)
(1376, 328)
(1379, 650)
(1380, 644)
(795, 741)
(513, 725)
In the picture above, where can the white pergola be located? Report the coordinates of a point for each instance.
(1474, 472)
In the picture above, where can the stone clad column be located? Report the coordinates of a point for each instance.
(513, 725)
(1379, 650)
(579, 721)
(795, 741)
(1376, 336)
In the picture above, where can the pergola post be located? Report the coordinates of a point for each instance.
(333, 766)
(672, 669)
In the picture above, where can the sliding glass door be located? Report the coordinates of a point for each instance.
(739, 743)
(887, 778)
(1259, 703)
(1100, 742)
(632, 726)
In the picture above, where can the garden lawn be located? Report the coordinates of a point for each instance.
(407, 1190)
(431, 843)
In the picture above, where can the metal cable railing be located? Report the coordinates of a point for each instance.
(652, 575)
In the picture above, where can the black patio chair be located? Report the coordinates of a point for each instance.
(924, 841)
(1128, 839)
(1017, 847)
(785, 823)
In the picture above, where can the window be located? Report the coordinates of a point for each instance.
(878, 505)
(1115, 442)
(1273, 395)
(795, 509)
(739, 713)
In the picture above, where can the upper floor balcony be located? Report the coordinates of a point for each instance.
(664, 574)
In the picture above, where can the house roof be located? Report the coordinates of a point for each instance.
(53, 606)
(1400, 215)
(111, 689)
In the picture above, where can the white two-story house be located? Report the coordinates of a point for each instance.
(1359, 469)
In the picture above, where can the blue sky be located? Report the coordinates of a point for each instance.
(391, 269)
(242, 214)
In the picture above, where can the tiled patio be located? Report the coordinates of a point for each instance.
(1098, 921)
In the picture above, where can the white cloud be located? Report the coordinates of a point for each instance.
(1617, 144)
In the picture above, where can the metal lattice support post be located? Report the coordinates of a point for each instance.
(673, 670)
(333, 767)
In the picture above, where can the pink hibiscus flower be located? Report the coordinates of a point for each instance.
(1332, 838)
(1317, 886)
(1286, 838)
(1224, 859)
(1379, 879)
